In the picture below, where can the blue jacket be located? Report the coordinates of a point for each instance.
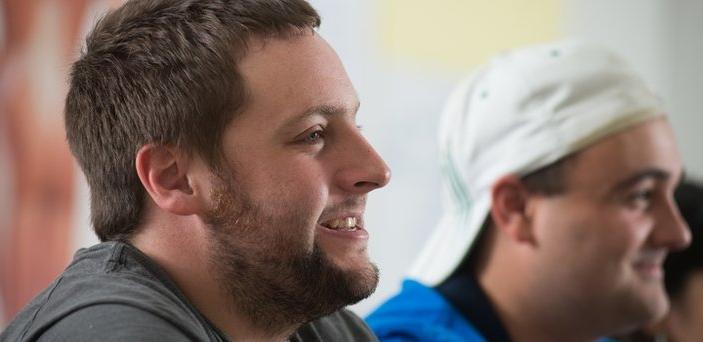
(419, 313)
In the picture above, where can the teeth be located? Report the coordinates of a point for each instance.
(348, 223)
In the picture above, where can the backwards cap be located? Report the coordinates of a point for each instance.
(523, 111)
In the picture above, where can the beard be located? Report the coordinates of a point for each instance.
(264, 261)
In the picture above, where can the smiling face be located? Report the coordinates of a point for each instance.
(288, 202)
(603, 241)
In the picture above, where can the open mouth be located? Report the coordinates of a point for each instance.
(649, 269)
(346, 224)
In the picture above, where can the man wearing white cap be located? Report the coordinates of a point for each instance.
(559, 166)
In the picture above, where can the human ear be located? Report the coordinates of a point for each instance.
(164, 173)
(509, 210)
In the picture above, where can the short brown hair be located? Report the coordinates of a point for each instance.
(164, 72)
(549, 180)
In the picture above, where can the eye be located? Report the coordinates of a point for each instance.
(641, 199)
(312, 136)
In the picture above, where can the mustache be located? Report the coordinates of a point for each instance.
(355, 205)
(349, 204)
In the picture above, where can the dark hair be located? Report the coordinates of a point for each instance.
(549, 180)
(163, 72)
(680, 265)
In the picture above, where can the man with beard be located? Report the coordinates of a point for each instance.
(228, 181)
(560, 167)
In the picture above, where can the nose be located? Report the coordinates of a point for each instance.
(671, 231)
(361, 168)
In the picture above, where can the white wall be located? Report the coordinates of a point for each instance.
(661, 39)
(684, 62)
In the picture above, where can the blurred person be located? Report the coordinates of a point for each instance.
(228, 181)
(35, 238)
(559, 167)
(683, 276)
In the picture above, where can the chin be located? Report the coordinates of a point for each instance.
(660, 307)
(363, 282)
(651, 304)
(360, 273)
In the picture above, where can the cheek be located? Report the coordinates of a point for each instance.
(592, 240)
(629, 231)
(303, 188)
(288, 183)
(565, 229)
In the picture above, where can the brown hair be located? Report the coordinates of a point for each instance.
(164, 72)
(549, 180)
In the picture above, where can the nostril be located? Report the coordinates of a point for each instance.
(366, 184)
(379, 181)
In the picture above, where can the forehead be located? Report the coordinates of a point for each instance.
(286, 76)
(648, 146)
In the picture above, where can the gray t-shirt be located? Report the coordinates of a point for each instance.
(113, 292)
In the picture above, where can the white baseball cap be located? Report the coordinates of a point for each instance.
(522, 111)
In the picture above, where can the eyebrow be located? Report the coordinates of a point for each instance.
(328, 110)
(653, 173)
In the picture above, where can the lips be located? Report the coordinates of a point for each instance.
(650, 264)
(650, 271)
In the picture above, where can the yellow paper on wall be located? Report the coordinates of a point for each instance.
(461, 34)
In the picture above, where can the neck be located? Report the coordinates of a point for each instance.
(194, 274)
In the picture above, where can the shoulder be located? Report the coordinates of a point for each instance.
(342, 325)
(419, 313)
(107, 321)
(107, 279)
(113, 322)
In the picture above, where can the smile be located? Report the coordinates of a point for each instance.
(650, 270)
(342, 224)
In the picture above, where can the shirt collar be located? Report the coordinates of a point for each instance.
(465, 294)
